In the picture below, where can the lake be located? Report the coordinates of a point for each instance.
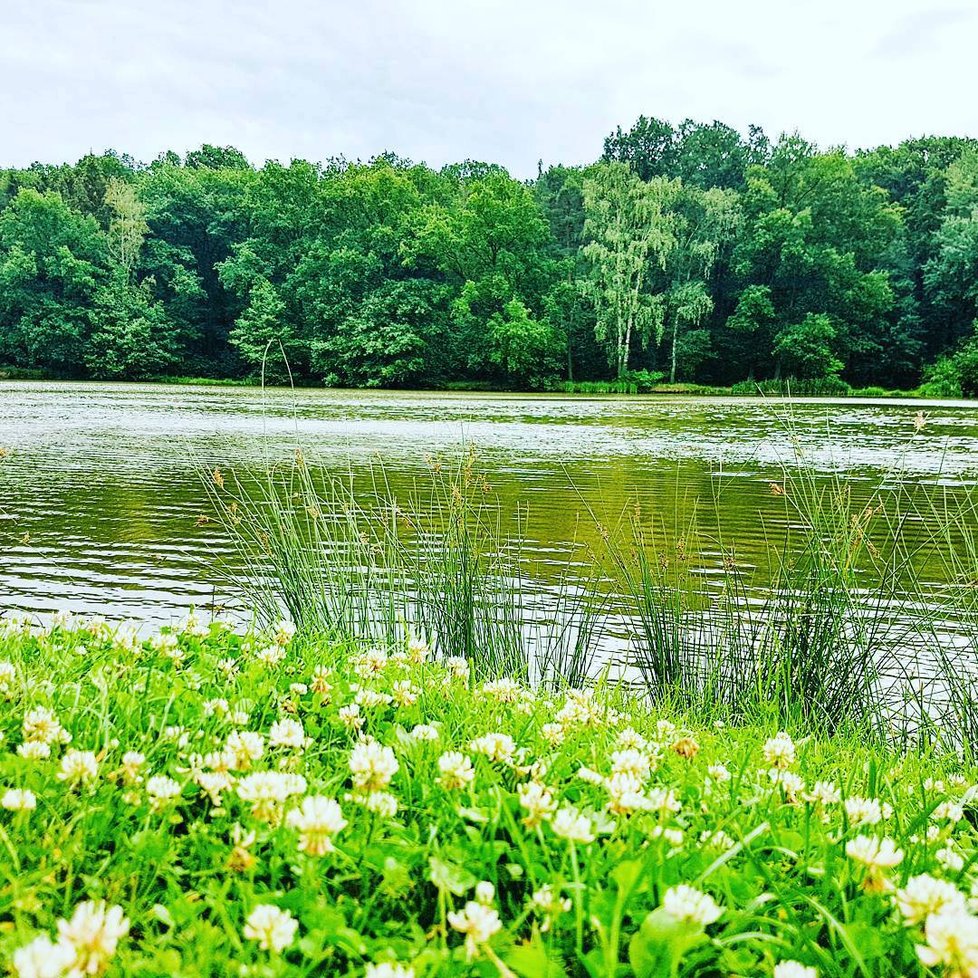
(101, 498)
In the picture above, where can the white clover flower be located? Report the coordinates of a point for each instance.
(664, 800)
(42, 726)
(18, 800)
(177, 734)
(568, 823)
(863, 811)
(505, 690)
(924, 895)
(320, 681)
(34, 750)
(192, 626)
(287, 733)
(162, 789)
(93, 933)
(951, 941)
(267, 792)
(790, 783)
(273, 928)
(823, 793)
(243, 748)
(779, 751)
(214, 784)
(874, 852)
(689, 904)
(405, 693)
(418, 649)
(284, 633)
(485, 892)
(950, 858)
(132, 765)
(947, 811)
(549, 905)
(665, 730)
(228, 666)
(7, 676)
(590, 776)
(497, 747)
(673, 836)
(538, 801)
(372, 765)
(457, 666)
(631, 761)
(478, 922)
(793, 969)
(370, 663)
(455, 771)
(716, 840)
(381, 803)
(167, 645)
(581, 709)
(388, 969)
(78, 767)
(350, 716)
(43, 959)
(553, 733)
(630, 739)
(626, 794)
(317, 820)
(370, 699)
(718, 773)
(270, 656)
(423, 732)
(216, 707)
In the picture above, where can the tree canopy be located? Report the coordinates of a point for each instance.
(688, 253)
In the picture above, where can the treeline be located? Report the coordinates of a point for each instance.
(687, 254)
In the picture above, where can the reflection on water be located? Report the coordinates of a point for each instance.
(100, 497)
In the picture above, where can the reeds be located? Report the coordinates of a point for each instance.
(840, 632)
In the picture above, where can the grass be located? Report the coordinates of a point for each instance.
(842, 631)
(481, 828)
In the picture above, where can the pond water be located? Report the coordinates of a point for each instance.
(100, 486)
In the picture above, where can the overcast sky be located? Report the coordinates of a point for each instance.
(510, 81)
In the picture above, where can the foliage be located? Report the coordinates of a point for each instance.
(289, 806)
(693, 250)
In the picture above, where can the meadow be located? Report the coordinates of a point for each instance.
(207, 802)
(404, 763)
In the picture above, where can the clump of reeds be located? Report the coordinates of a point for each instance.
(841, 632)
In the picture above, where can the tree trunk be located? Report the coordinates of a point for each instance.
(675, 337)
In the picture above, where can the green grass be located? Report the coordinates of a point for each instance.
(761, 836)
(843, 630)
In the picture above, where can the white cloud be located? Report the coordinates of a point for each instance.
(440, 80)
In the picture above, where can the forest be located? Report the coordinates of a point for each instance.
(686, 254)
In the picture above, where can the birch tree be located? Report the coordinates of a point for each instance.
(628, 228)
(705, 222)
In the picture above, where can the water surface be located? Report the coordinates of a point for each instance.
(100, 493)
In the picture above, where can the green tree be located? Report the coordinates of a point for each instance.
(804, 349)
(131, 336)
(390, 339)
(261, 334)
(51, 262)
(127, 226)
(704, 222)
(814, 239)
(490, 241)
(629, 229)
(525, 348)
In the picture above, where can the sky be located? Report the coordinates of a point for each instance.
(507, 81)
